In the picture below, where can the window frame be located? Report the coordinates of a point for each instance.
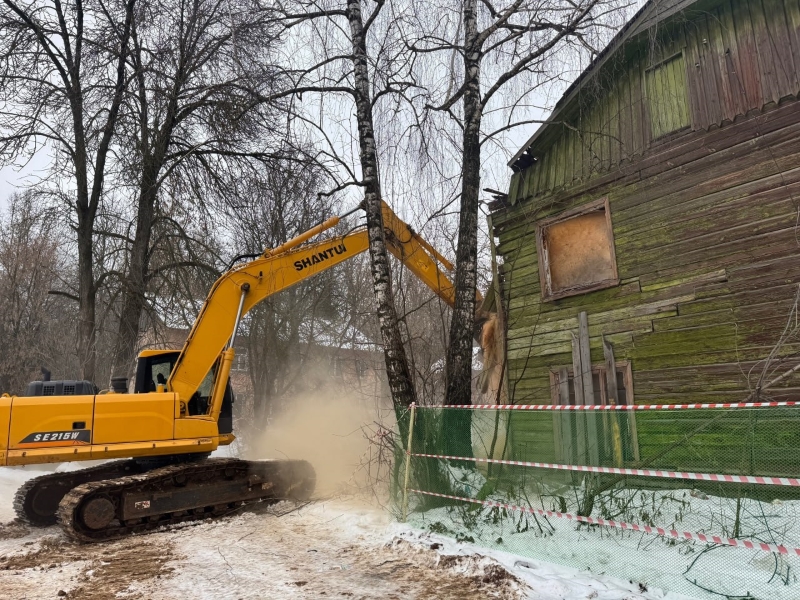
(621, 366)
(544, 263)
(667, 135)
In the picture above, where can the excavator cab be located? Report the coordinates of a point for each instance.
(153, 369)
(152, 372)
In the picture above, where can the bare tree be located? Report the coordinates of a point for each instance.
(280, 331)
(194, 110)
(352, 53)
(61, 88)
(28, 263)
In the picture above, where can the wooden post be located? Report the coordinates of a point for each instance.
(408, 462)
(565, 417)
(588, 388)
(612, 394)
(580, 416)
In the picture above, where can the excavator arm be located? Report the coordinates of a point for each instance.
(238, 290)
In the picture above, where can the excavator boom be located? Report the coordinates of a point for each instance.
(282, 268)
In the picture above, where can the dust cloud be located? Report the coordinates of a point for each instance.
(325, 428)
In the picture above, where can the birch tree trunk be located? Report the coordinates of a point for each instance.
(399, 375)
(459, 350)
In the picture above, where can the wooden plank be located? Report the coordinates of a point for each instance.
(547, 354)
(585, 375)
(792, 8)
(627, 125)
(613, 126)
(565, 417)
(677, 79)
(571, 160)
(552, 170)
(612, 393)
(777, 241)
(612, 396)
(780, 42)
(581, 456)
(756, 155)
(732, 62)
(711, 74)
(697, 93)
(713, 196)
(638, 108)
(596, 137)
(513, 188)
(630, 315)
(717, 42)
(748, 55)
(701, 233)
(776, 44)
(556, 155)
(607, 107)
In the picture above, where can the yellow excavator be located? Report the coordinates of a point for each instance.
(180, 409)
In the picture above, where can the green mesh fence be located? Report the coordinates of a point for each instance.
(703, 502)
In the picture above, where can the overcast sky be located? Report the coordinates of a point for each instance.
(12, 177)
(495, 171)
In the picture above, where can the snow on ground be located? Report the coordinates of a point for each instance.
(544, 580)
(682, 566)
(335, 548)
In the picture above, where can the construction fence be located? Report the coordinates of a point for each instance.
(701, 500)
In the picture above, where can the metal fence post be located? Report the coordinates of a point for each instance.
(408, 462)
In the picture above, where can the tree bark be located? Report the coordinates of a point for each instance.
(154, 153)
(398, 373)
(133, 295)
(459, 350)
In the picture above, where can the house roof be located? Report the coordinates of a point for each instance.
(652, 12)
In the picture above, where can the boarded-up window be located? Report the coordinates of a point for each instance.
(666, 96)
(576, 252)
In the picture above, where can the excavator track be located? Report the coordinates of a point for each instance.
(36, 501)
(106, 510)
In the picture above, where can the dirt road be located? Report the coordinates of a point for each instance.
(328, 549)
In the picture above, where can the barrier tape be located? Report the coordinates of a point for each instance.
(616, 406)
(785, 481)
(670, 533)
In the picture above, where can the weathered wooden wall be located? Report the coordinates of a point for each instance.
(737, 56)
(705, 220)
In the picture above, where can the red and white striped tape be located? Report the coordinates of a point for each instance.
(670, 533)
(785, 481)
(616, 406)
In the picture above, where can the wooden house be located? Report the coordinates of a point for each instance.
(652, 228)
